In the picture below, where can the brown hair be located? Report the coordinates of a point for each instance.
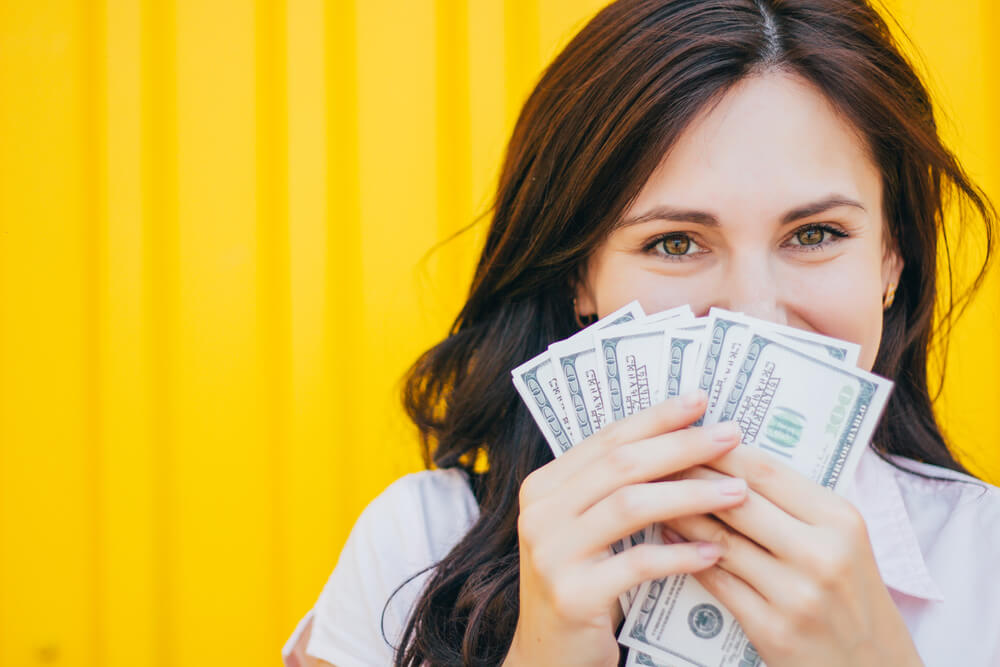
(597, 123)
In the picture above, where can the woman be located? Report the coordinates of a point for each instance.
(776, 157)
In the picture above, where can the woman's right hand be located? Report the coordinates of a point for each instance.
(600, 491)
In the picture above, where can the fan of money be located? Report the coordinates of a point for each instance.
(796, 394)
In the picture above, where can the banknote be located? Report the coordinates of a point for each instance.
(536, 382)
(729, 332)
(815, 415)
(631, 356)
(576, 373)
(837, 350)
(681, 349)
(726, 335)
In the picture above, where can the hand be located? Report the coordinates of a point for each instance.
(601, 490)
(797, 569)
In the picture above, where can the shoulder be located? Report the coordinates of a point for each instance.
(956, 489)
(956, 521)
(431, 508)
(410, 526)
(954, 506)
(390, 553)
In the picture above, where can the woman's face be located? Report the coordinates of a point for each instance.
(768, 204)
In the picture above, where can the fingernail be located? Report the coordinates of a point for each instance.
(709, 550)
(693, 399)
(725, 432)
(671, 535)
(731, 487)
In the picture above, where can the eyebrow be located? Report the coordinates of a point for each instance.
(673, 214)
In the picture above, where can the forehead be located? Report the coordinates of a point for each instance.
(773, 141)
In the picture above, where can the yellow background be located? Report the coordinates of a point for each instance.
(212, 219)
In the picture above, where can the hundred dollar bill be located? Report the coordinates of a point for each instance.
(576, 373)
(841, 351)
(630, 357)
(535, 381)
(681, 349)
(727, 333)
(815, 415)
(638, 658)
(813, 344)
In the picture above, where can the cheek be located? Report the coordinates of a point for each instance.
(620, 281)
(847, 305)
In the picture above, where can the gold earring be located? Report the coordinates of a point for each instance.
(890, 296)
(580, 322)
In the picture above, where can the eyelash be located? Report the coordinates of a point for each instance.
(835, 232)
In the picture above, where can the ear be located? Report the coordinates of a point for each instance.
(892, 266)
(583, 299)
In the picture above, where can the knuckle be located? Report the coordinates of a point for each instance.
(807, 606)
(531, 488)
(643, 562)
(529, 527)
(722, 536)
(563, 596)
(850, 519)
(831, 565)
(762, 469)
(779, 636)
(624, 462)
(612, 436)
(545, 564)
(628, 502)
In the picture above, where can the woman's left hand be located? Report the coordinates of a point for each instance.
(797, 570)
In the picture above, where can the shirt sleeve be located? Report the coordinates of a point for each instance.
(392, 545)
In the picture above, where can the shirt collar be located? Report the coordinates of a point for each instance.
(875, 493)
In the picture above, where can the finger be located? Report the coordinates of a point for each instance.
(748, 606)
(762, 570)
(781, 484)
(632, 508)
(664, 417)
(616, 574)
(643, 461)
(758, 518)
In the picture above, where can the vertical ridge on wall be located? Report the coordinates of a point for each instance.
(273, 282)
(453, 154)
(94, 307)
(46, 266)
(343, 312)
(398, 205)
(159, 312)
(129, 520)
(311, 480)
(521, 54)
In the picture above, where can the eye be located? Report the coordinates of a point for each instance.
(810, 236)
(815, 236)
(674, 245)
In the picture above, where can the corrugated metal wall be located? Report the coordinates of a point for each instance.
(212, 216)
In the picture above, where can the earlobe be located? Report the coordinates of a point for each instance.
(891, 272)
(584, 306)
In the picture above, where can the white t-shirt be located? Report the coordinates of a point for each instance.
(937, 545)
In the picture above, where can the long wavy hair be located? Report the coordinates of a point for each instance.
(597, 123)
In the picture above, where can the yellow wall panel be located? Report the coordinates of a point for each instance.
(215, 225)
